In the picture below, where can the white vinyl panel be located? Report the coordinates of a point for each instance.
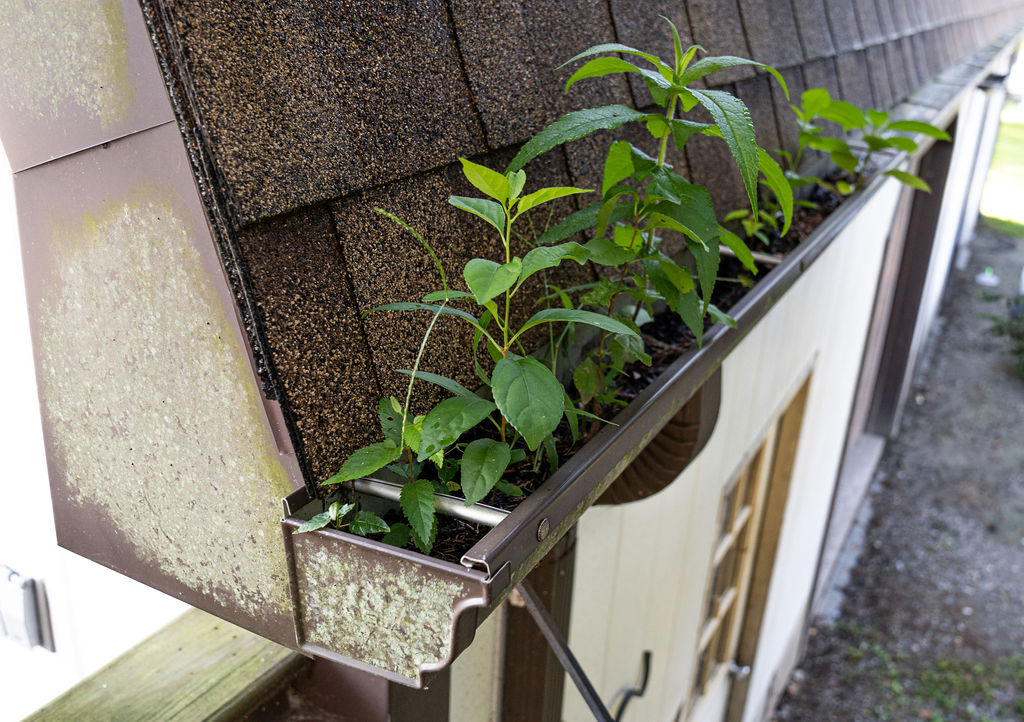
(596, 577)
(638, 579)
(476, 674)
(843, 300)
(671, 516)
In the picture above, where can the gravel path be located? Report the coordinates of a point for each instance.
(932, 625)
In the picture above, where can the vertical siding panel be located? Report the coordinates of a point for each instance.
(597, 576)
(676, 507)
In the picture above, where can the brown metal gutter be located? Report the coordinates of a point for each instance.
(335, 575)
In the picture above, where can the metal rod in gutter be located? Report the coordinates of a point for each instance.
(767, 259)
(450, 505)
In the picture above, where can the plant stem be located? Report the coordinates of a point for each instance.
(664, 139)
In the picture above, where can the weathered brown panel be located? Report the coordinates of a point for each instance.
(771, 32)
(717, 26)
(512, 51)
(822, 74)
(304, 101)
(73, 75)
(815, 34)
(854, 83)
(867, 19)
(315, 336)
(788, 131)
(898, 80)
(163, 462)
(842, 18)
(879, 75)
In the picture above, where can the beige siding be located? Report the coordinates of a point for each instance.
(642, 568)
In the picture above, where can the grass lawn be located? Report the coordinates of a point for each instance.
(1004, 188)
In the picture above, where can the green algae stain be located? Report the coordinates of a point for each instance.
(150, 405)
(55, 53)
(393, 618)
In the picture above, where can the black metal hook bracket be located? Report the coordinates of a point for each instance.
(572, 667)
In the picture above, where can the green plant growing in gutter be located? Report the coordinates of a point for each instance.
(878, 133)
(642, 196)
(521, 402)
(521, 398)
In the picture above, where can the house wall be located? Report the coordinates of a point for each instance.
(292, 149)
(642, 568)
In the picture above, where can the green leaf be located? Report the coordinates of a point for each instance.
(505, 488)
(814, 101)
(694, 215)
(529, 396)
(572, 315)
(845, 160)
(877, 143)
(658, 91)
(877, 118)
(390, 420)
(487, 279)
(706, 66)
(546, 194)
(628, 237)
(618, 165)
(910, 179)
(443, 381)
(483, 463)
(719, 316)
(366, 522)
(612, 201)
(339, 510)
(733, 119)
(849, 116)
(601, 66)
(827, 144)
(447, 421)
(571, 417)
(682, 130)
(776, 180)
(516, 181)
(449, 295)
(677, 44)
(318, 521)
(735, 244)
(585, 378)
(573, 126)
(573, 223)
(417, 500)
(677, 275)
(606, 253)
(687, 305)
(490, 211)
(916, 126)
(905, 144)
(414, 306)
(365, 461)
(486, 180)
(398, 536)
(541, 257)
(707, 267)
(613, 48)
